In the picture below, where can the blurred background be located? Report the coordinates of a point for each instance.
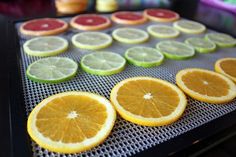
(216, 14)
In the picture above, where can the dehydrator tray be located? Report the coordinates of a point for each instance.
(126, 139)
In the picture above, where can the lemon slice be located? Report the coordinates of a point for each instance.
(226, 66)
(91, 40)
(52, 70)
(175, 50)
(144, 56)
(103, 63)
(190, 27)
(45, 46)
(162, 31)
(130, 35)
(206, 86)
(221, 39)
(71, 122)
(148, 101)
(201, 45)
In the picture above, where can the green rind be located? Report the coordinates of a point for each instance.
(46, 54)
(50, 81)
(89, 47)
(101, 72)
(202, 50)
(220, 44)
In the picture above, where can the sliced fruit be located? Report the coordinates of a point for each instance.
(128, 17)
(52, 70)
(144, 56)
(103, 63)
(201, 45)
(221, 39)
(90, 22)
(91, 40)
(175, 50)
(71, 122)
(206, 86)
(148, 101)
(190, 27)
(44, 26)
(45, 46)
(227, 67)
(130, 35)
(162, 31)
(161, 15)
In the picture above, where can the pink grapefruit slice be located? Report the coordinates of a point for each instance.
(43, 27)
(90, 22)
(128, 17)
(161, 15)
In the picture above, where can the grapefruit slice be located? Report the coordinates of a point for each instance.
(90, 22)
(161, 15)
(128, 17)
(43, 27)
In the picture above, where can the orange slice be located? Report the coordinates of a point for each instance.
(71, 122)
(148, 101)
(161, 15)
(206, 86)
(227, 67)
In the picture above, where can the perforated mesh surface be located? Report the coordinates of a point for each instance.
(126, 138)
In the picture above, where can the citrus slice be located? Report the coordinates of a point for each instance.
(52, 70)
(90, 22)
(201, 45)
(45, 46)
(206, 86)
(91, 40)
(221, 39)
(71, 122)
(144, 56)
(103, 63)
(45, 26)
(162, 31)
(128, 17)
(161, 15)
(226, 66)
(130, 35)
(175, 50)
(148, 101)
(190, 27)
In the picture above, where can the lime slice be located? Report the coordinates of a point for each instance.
(175, 50)
(221, 39)
(144, 56)
(52, 70)
(190, 27)
(201, 45)
(162, 31)
(103, 63)
(45, 46)
(130, 35)
(91, 40)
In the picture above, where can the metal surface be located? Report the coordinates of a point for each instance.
(126, 138)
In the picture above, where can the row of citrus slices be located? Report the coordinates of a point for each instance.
(50, 26)
(73, 122)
